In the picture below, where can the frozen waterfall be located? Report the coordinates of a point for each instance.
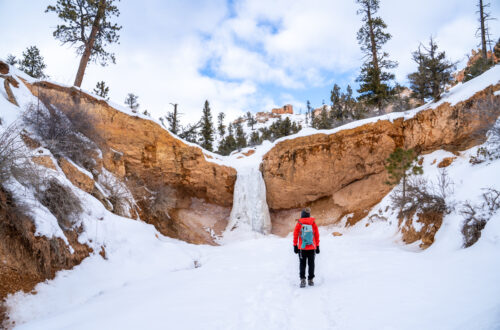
(249, 202)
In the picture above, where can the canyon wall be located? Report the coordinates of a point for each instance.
(151, 161)
(343, 174)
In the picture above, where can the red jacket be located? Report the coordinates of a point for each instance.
(296, 232)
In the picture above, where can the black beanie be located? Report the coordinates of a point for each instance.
(306, 213)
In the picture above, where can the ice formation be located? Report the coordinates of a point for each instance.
(249, 202)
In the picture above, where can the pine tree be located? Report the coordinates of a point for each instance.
(496, 50)
(374, 81)
(228, 143)
(254, 139)
(190, 132)
(349, 104)
(323, 120)
(251, 122)
(11, 60)
(336, 114)
(286, 127)
(172, 118)
(102, 90)
(359, 111)
(440, 69)
(131, 102)
(207, 128)
(32, 63)
(434, 72)
(419, 80)
(310, 110)
(221, 128)
(400, 165)
(87, 23)
(241, 139)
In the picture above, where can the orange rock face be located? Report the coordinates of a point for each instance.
(45, 161)
(446, 162)
(149, 157)
(287, 109)
(343, 173)
(77, 178)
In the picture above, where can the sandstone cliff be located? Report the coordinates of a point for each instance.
(152, 161)
(343, 174)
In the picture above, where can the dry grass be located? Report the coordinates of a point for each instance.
(61, 202)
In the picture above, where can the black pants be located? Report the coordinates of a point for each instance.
(307, 256)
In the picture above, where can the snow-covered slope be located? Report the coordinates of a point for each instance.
(366, 279)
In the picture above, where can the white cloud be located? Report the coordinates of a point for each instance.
(261, 52)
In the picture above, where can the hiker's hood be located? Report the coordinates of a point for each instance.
(307, 221)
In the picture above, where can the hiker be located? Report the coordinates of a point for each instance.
(306, 245)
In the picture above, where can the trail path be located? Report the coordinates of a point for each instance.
(364, 281)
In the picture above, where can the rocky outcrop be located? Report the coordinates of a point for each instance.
(45, 161)
(76, 176)
(286, 109)
(149, 159)
(343, 174)
(27, 259)
(421, 227)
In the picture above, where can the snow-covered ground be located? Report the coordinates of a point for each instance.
(366, 279)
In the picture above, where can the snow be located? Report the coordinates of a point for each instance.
(365, 279)
(249, 205)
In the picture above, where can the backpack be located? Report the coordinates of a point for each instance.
(306, 234)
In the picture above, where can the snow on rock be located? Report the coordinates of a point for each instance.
(249, 205)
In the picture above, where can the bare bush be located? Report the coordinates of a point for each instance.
(420, 196)
(116, 193)
(14, 158)
(61, 134)
(444, 187)
(477, 216)
(61, 202)
(157, 198)
(10, 151)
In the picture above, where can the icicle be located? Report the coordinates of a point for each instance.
(249, 202)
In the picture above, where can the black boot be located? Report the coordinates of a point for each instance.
(302, 282)
(310, 282)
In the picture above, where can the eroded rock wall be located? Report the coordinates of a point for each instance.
(343, 174)
(149, 159)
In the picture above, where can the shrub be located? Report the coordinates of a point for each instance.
(62, 134)
(420, 197)
(117, 193)
(61, 202)
(477, 216)
(14, 159)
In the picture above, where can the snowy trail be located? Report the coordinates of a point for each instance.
(364, 281)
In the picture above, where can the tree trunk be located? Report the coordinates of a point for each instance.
(483, 29)
(374, 51)
(403, 202)
(90, 43)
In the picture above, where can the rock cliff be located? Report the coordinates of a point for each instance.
(343, 174)
(150, 161)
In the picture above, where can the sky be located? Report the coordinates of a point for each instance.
(241, 55)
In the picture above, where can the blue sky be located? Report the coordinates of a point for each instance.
(241, 55)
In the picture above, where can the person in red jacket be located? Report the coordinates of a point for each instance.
(307, 253)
